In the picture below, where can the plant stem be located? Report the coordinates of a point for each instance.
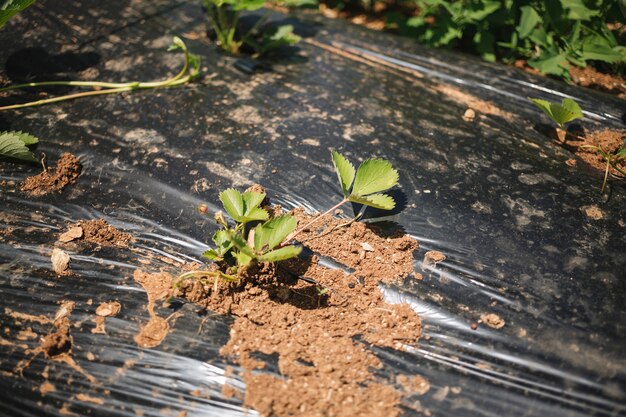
(94, 93)
(606, 173)
(295, 233)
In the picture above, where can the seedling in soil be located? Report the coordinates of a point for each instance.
(14, 144)
(612, 160)
(569, 111)
(560, 114)
(190, 70)
(224, 18)
(236, 247)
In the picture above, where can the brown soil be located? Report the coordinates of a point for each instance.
(96, 231)
(609, 140)
(319, 333)
(67, 171)
(157, 286)
(592, 78)
(473, 103)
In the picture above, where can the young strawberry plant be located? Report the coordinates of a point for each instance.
(224, 18)
(569, 111)
(190, 70)
(560, 114)
(238, 244)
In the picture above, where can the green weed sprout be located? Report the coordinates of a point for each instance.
(190, 70)
(612, 159)
(224, 17)
(236, 247)
(13, 144)
(560, 114)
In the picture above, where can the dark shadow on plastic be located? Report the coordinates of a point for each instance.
(36, 64)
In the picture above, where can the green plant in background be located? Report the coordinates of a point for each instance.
(224, 18)
(190, 71)
(9, 8)
(551, 35)
(560, 114)
(14, 144)
(239, 245)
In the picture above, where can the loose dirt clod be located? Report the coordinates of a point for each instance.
(68, 170)
(607, 139)
(99, 232)
(108, 309)
(60, 262)
(72, 234)
(493, 320)
(593, 212)
(432, 258)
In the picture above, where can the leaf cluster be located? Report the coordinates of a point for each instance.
(562, 113)
(365, 184)
(550, 35)
(13, 144)
(240, 244)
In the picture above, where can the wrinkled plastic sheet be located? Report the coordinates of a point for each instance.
(495, 196)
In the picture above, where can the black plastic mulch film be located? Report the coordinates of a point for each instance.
(495, 196)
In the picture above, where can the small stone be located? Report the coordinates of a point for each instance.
(60, 262)
(474, 326)
(367, 247)
(469, 115)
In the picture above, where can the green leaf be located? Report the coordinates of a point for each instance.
(252, 200)
(246, 4)
(232, 200)
(271, 233)
(223, 241)
(13, 145)
(562, 113)
(243, 258)
(601, 53)
(485, 42)
(374, 175)
(212, 255)
(256, 214)
(528, 21)
(577, 10)
(280, 254)
(177, 45)
(9, 8)
(345, 171)
(567, 111)
(379, 201)
(551, 64)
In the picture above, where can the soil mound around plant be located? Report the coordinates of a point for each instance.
(96, 231)
(67, 171)
(608, 140)
(318, 328)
